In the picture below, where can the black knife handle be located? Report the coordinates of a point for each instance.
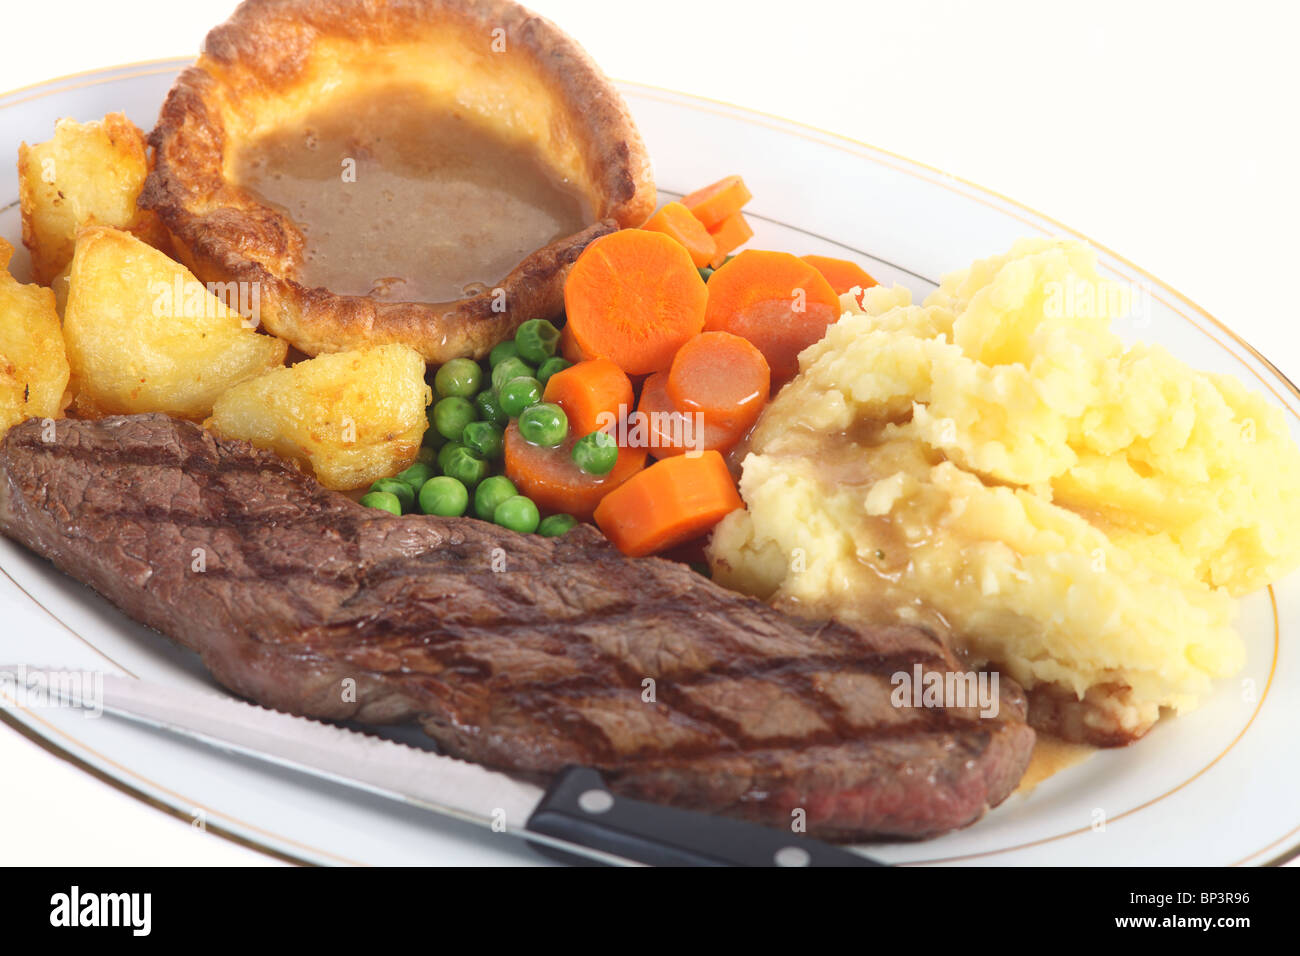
(579, 808)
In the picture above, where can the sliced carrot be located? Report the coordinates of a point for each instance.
(569, 348)
(555, 483)
(715, 202)
(669, 503)
(723, 377)
(842, 274)
(775, 300)
(733, 233)
(666, 430)
(677, 221)
(634, 297)
(595, 394)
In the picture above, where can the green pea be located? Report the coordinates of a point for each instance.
(452, 414)
(517, 514)
(416, 475)
(444, 496)
(490, 493)
(510, 368)
(501, 352)
(432, 437)
(383, 500)
(705, 273)
(550, 367)
(427, 454)
(544, 424)
(489, 408)
(460, 376)
(537, 340)
(484, 439)
(446, 450)
(399, 489)
(556, 525)
(465, 466)
(519, 393)
(596, 454)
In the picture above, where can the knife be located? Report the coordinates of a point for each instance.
(576, 816)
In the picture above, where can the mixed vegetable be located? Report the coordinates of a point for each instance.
(461, 467)
(671, 348)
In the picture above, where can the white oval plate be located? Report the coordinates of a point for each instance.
(1219, 786)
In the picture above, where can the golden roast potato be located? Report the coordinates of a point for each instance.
(88, 174)
(33, 366)
(352, 416)
(143, 335)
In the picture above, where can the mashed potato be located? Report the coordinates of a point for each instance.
(997, 465)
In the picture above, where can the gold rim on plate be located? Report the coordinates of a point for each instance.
(898, 163)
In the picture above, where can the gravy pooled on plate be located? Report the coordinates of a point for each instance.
(404, 200)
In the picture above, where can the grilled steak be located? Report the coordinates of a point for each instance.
(519, 652)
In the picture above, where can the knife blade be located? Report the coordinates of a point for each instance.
(577, 815)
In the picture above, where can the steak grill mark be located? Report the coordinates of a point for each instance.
(526, 669)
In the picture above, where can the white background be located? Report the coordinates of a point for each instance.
(1166, 131)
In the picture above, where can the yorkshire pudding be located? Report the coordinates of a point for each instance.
(477, 136)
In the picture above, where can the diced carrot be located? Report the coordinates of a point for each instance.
(670, 502)
(729, 236)
(669, 431)
(634, 297)
(775, 300)
(723, 377)
(677, 221)
(715, 202)
(555, 483)
(842, 274)
(594, 394)
(569, 348)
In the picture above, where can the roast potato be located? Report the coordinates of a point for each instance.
(352, 416)
(33, 364)
(88, 174)
(144, 335)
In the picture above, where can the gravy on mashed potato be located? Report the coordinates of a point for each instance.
(996, 464)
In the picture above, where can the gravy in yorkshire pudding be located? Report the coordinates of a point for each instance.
(418, 172)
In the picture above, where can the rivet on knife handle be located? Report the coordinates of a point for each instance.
(579, 808)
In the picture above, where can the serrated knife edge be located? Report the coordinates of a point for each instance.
(397, 771)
